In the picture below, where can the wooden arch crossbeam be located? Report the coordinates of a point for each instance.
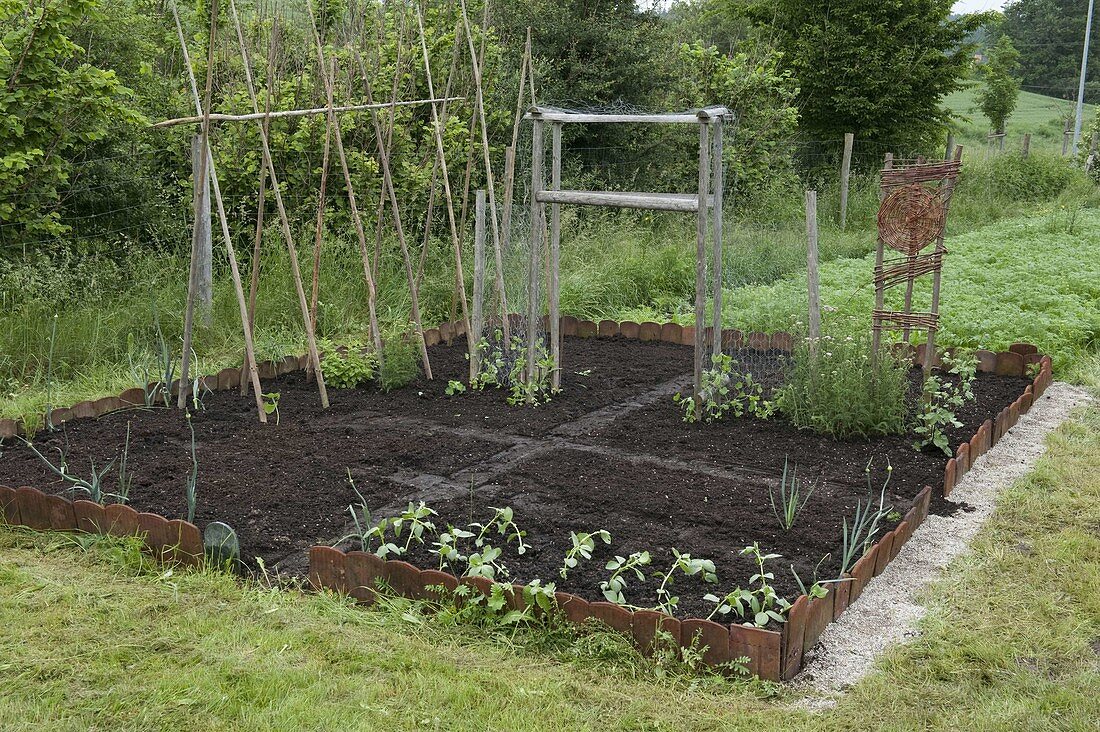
(707, 201)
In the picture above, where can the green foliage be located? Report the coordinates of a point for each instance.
(836, 386)
(193, 477)
(92, 486)
(400, 363)
(271, 404)
(689, 567)
(763, 96)
(790, 500)
(583, 544)
(760, 604)
(724, 390)
(346, 368)
(941, 399)
(858, 537)
(621, 567)
(998, 96)
(879, 70)
(1051, 31)
(52, 106)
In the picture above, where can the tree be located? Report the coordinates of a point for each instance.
(877, 69)
(998, 96)
(1050, 33)
(51, 104)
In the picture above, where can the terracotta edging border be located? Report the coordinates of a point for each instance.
(773, 655)
(1014, 362)
(168, 540)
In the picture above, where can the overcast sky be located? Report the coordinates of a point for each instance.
(974, 6)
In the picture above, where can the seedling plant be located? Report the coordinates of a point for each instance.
(621, 568)
(858, 537)
(583, 546)
(941, 399)
(760, 605)
(688, 566)
(723, 391)
(788, 501)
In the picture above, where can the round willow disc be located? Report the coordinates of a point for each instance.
(911, 217)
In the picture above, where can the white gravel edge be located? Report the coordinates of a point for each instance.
(887, 611)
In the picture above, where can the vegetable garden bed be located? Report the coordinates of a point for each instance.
(608, 453)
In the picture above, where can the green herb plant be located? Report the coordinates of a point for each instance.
(455, 387)
(346, 367)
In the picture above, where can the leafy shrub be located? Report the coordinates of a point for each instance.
(400, 363)
(346, 368)
(838, 389)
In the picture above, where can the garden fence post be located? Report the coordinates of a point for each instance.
(950, 146)
(701, 257)
(555, 259)
(880, 295)
(718, 182)
(534, 259)
(476, 318)
(813, 288)
(845, 176)
(204, 285)
(1027, 146)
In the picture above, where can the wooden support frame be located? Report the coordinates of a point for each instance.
(284, 221)
(707, 207)
(250, 353)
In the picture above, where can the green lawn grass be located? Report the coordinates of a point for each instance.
(92, 641)
(1041, 116)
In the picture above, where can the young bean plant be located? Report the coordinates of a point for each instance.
(724, 390)
(760, 604)
(620, 568)
(940, 401)
(583, 546)
(688, 566)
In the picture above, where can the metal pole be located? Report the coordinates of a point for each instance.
(1081, 83)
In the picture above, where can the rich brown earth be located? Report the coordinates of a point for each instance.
(610, 452)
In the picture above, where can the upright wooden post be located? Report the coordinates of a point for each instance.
(950, 146)
(319, 229)
(204, 286)
(242, 305)
(534, 270)
(441, 154)
(1027, 146)
(845, 176)
(555, 259)
(930, 349)
(356, 218)
(510, 152)
(477, 318)
(718, 184)
(292, 250)
(490, 185)
(880, 295)
(812, 284)
(387, 181)
(1001, 141)
(701, 257)
(1067, 131)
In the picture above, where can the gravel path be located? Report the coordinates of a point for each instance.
(887, 612)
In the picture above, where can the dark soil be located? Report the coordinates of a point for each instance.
(610, 452)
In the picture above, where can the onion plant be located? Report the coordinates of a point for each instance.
(865, 523)
(790, 499)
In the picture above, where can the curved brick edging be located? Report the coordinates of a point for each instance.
(168, 540)
(773, 655)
